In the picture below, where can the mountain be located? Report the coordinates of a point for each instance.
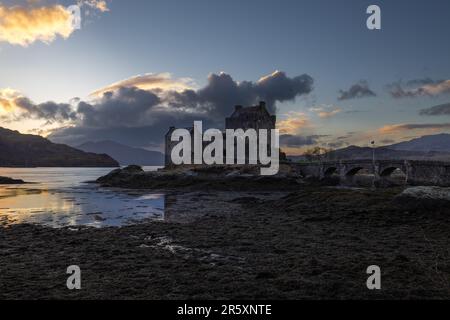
(26, 150)
(385, 153)
(431, 147)
(438, 142)
(124, 154)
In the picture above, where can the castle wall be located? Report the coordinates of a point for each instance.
(256, 117)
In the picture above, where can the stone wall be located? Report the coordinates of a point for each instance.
(417, 172)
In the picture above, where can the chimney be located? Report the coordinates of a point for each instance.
(262, 105)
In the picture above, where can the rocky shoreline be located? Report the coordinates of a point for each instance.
(6, 180)
(314, 243)
(225, 177)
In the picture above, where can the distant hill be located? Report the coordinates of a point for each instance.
(438, 142)
(431, 147)
(26, 150)
(124, 154)
(385, 153)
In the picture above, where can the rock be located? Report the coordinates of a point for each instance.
(99, 218)
(133, 169)
(5, 180)
(120, 176)
(215, 177)
(428, 198)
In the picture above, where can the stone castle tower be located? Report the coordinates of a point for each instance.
(254, 117)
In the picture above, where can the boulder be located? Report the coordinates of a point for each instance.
(120, 176)
(424, 198)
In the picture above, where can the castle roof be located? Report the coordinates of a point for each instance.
(253, 110)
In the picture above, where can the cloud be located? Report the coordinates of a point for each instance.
(128, 106)
(99, 5)
(149, 81)
(358, 90)
(296, 141)
(429, 88)
(223, 92)
(336, 144)
(326, 112)
(279, 87)
(8, 99)
(388, 129)
(25, 25)
(16, 107)
(294, 123)
(439, 110)
(422, 81)
(329, 114)
(140, 117)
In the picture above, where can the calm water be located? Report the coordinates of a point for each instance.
(59, 197)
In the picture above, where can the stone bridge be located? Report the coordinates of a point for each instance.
(417, 172)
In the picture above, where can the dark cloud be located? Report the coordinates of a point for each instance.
(124, 107)
(418, 87)
(440, 110)
(50, 111)
(336, 144)
(422, 81)
(141, 117)
(293, 141)
(222, 92)
(358, 90)
(397, 91)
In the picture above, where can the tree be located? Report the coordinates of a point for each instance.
(317, 153)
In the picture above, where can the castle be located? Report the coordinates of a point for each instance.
(254, 117)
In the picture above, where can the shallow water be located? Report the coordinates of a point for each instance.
(59, 197)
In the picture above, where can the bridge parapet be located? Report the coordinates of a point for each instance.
(418, 172)
(434, 173)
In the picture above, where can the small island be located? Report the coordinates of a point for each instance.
(6, 180)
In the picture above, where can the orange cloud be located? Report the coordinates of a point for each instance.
(430, 127)
(326, 111)
(8, 100)
(435, 89)
(432, 89)
(387, 129)
(329, 114)
(96, 4)
(294, 123)
(149, 81)
(23, 26)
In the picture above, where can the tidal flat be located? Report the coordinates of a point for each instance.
(313, 243)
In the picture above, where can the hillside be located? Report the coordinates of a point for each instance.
(438, 142)
(25, 150)
(125, 155)
(385, 153)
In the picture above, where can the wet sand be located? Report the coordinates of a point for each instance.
(312, 244)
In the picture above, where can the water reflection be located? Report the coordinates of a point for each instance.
(85, 205)
(59, 197)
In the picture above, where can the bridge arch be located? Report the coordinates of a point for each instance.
(353, 171)
(388, 170)
(329, 171)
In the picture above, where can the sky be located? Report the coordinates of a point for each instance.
(137, 67)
